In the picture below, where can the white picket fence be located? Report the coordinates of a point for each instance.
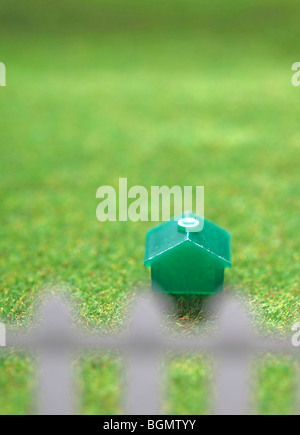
(55, 340)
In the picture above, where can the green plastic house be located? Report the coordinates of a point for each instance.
(188, 255)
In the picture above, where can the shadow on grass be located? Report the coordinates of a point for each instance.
(197, 309)
(191, 306)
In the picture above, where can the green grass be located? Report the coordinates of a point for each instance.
(170, 108)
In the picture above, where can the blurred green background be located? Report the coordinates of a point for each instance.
(180, 92)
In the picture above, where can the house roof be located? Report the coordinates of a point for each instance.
(211, 239)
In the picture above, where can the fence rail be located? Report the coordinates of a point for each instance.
(55, 340)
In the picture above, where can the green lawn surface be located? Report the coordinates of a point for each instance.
(176, 108)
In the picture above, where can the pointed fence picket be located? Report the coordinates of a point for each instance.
(55, 341)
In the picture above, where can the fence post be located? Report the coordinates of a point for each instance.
(55, 341)
(143, 392)
(233, 351)
(54, 346)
